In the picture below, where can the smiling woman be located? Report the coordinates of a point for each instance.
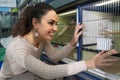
(32, 34)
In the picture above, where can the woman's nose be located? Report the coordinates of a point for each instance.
(55, 27)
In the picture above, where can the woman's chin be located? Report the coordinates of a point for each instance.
(49, 38)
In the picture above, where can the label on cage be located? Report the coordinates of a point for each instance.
(104, 43)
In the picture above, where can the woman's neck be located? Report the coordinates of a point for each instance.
(29, 37)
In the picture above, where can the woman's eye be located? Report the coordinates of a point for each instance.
(51, 23)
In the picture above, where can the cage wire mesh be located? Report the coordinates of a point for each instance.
(102, 31)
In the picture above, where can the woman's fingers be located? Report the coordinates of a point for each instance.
(77, 33)
(110, 60)
(105, 54)
(80, 33)
(102, 52)
(107, 64)
(78, 27)
(113, 51)
(104, 59)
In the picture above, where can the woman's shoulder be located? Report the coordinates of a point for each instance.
(16, 41)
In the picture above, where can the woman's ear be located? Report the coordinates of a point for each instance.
(35, 23)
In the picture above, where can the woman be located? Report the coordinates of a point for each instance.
(32, 34)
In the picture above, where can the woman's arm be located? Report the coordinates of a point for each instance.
(30, 63)
(22, 56)
(53, 71)
(57, 55)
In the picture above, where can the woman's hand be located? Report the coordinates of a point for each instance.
(77, 33)
(101, 59)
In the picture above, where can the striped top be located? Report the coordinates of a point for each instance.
(21, 56)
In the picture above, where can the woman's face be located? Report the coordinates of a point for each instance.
(48, 25)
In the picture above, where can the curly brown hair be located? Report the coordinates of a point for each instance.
(24, 23)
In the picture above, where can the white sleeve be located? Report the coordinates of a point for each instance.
(76, 67)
